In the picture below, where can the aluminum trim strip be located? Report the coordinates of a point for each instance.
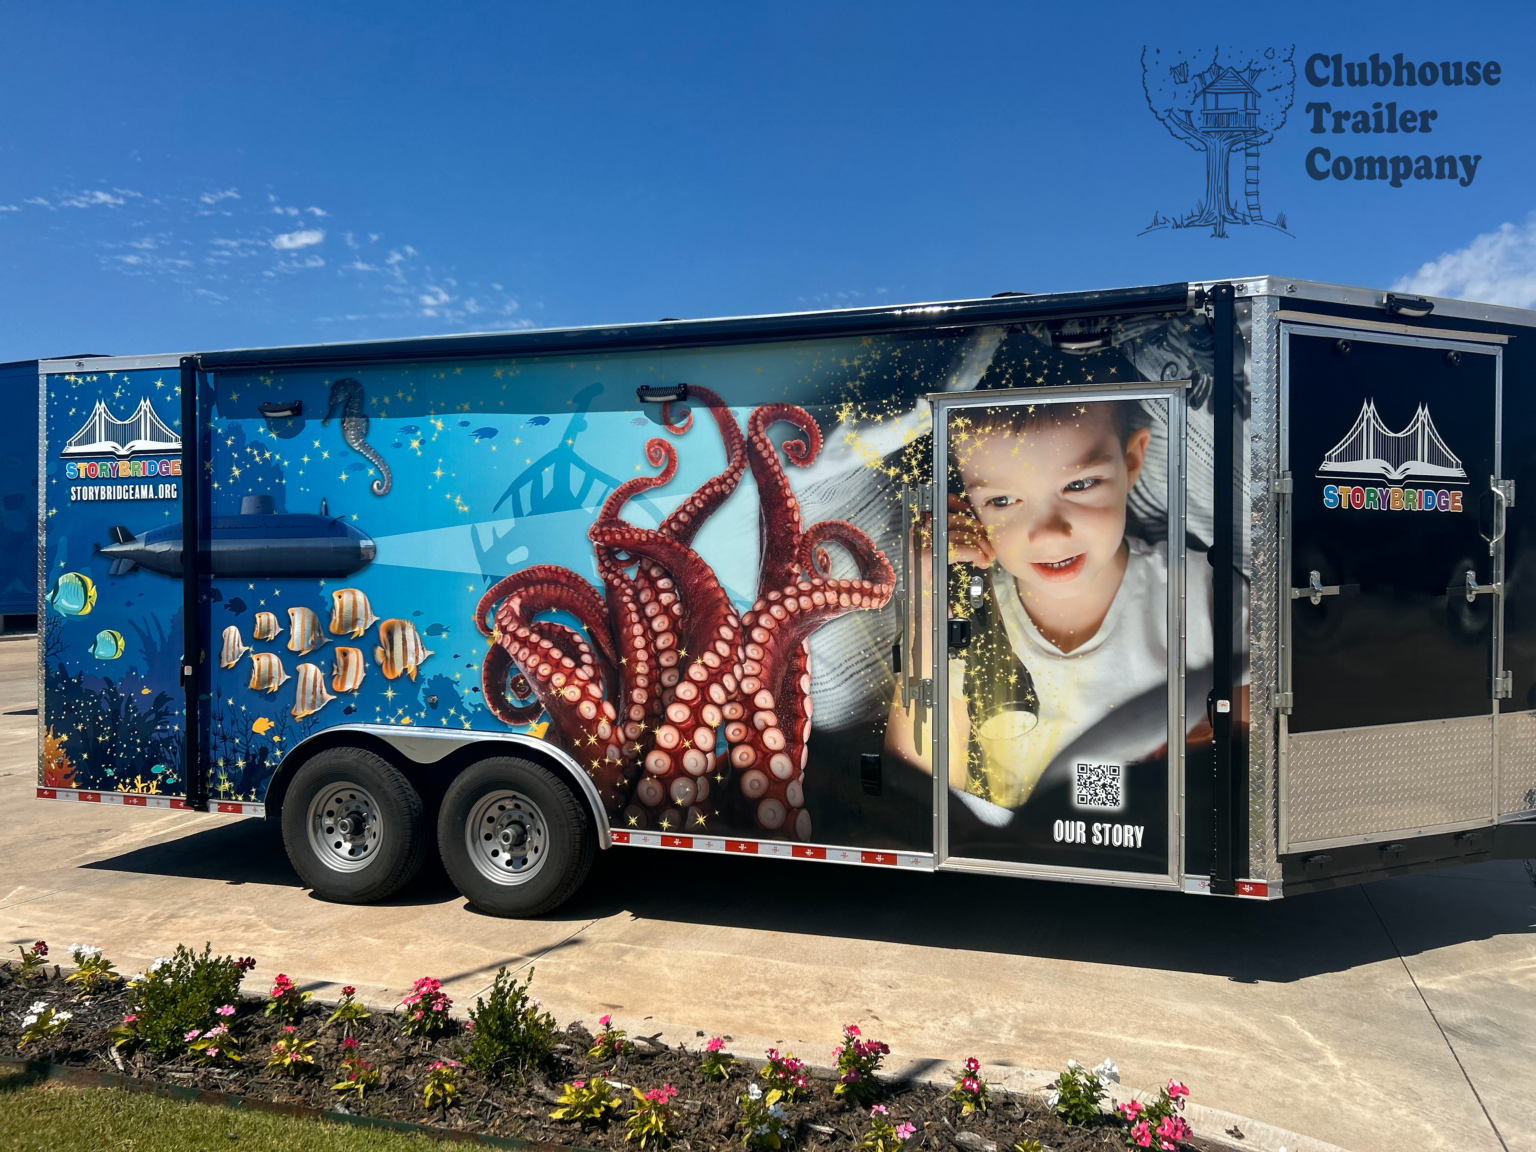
(108, 364)
(1356, 297)
(1397, 329)
(1394, 834)
(1265, 553)
(728, 845)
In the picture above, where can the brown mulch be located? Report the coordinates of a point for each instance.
(706, 1112)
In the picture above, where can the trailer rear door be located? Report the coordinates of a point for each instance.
(111, 624)
(1392, 594)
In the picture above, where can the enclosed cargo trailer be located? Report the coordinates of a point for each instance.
(1217, 587)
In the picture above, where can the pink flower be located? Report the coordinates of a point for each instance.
(904, 1131)
(1173, 1128)
(348, 990)
(714, 1045)
(1176, 1090)
(578, 1083)
(130, 1018)
(970, 1085)
(40, 948)
(879, 1110)
(1131, 1110)
(972, 1064)
(605, 1020)
(1141, 1133)
(213, 1052)
(191, 1036)
(349, 1042)
(469, 1025)
(221, 1030)
(289, 1028)
(851, 1030)
(226, 1010)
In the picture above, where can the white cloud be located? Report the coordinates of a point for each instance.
(9, 208)
(38, 200)
(317, 211)
(303, 238)
(1497, 267)
(92, 199)
(215, 197)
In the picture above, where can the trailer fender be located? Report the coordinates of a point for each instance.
(423, 747)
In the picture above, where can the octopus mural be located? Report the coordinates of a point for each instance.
(684, 711)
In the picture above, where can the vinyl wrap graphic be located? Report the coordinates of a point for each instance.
(111, 634)
(691, 601)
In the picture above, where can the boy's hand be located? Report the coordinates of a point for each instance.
(968, 540)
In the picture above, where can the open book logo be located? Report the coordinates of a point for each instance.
(1371, 449)
(103, 434)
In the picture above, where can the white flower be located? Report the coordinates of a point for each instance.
(38, 1006)
(760, 1130)
(1053, 1099)
(83, 952)
(776, 1111)
(754, 1092)
(28, 1021)
(61, 1017)
(1108, 1070)
(157, 963)
(1074, 1066)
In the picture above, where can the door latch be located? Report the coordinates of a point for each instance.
(1506, 489)
(1315, 589)
(1474, 589)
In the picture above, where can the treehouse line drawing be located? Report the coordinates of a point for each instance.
(1220, 101)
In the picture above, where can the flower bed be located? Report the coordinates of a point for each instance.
(510, 1071)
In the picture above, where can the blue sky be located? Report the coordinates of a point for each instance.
(184, 177)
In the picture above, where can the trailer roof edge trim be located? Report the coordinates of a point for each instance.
(743, 329)
(109, 363)
(1319, 292)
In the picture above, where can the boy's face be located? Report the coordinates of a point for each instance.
(1052, 499)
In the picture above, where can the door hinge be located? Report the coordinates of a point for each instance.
(1505, 488)
(1315, 589)
(924, 497)
(1285, 702)
(1504, 686)
(1284, 486)
(925, 693)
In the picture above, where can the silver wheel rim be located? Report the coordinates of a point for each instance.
(345, 827)
(506, 837)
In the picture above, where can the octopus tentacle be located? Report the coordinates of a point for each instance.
(686, 520)
(493, 682)
(778, 510)
(812, 556)
(661, 455)
(584, 601)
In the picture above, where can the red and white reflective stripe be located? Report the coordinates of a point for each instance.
(1249, 889)
(888, 859)
(136, 800)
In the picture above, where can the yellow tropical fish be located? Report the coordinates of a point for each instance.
(261, 725)
(267, 672)
(267, 626)
(234, 649)
(351, 614)
(399, 649)
(304, 631)
(347, 669)
(108, 645)
(309, 694)
(73, 594)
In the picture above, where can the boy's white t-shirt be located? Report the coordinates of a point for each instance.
(1125, 658)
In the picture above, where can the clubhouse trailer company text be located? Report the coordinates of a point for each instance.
(1401, 116)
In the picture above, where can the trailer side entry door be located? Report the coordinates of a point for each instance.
(1394, 586)
(1059, 575)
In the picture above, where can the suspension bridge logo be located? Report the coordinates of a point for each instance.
(103, 434)
(1371, 450)
(1224, 103)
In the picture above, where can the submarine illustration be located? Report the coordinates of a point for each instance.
(258, 542)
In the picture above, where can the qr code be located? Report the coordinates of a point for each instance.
(1099, 786)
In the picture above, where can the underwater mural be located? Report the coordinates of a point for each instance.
(694, 601)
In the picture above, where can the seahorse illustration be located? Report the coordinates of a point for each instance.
(347, 394)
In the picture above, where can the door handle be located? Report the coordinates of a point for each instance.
(1473, 589)
(1504, 492)
(1315, 589)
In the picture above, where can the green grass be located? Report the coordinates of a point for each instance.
(42, 1117)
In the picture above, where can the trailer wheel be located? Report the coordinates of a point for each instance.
(515, 840)
(353, 826)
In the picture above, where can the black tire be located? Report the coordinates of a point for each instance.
(362, 864)
(534, 842)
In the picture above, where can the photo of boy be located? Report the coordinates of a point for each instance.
(1076, 604)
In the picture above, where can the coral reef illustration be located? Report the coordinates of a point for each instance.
(687, 713)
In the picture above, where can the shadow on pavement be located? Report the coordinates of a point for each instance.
(1242, 940)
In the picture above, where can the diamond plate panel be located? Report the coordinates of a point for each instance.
(1517, 763)
(1361, 782)
(1262, 460)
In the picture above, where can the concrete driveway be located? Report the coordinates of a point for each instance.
(1397, 1015)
